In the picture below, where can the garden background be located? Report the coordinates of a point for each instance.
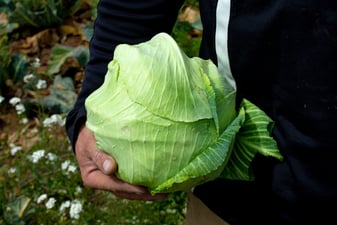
(43, 53)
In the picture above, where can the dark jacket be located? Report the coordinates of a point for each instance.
(283, 56)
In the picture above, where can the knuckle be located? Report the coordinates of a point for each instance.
(98, 156)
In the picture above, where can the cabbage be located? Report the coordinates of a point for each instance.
(170, 121)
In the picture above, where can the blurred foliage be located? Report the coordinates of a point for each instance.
(182, 34)
(194, 3)
(4, 61)
(39, 13)
(18, 68)
(188, 28)
(60, 53)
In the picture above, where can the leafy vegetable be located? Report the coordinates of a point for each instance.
(60, 53)
(170, 120)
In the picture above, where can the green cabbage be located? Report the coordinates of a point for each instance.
(170, 120)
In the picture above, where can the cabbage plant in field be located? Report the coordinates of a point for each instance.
(170, 120)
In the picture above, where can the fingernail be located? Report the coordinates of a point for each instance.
(107, 166)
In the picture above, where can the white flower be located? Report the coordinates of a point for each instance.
(37, 155)
(12, 170)
(14, 101)
(68, 167)
(54, 119)
(2, 99)
(51, 156)
(36, 63)
(24, 120)
(78, 190)
(72, 168)
(75, 209)
(20, 108)
(171, 211)
(64, 205)
(41, 84)
(50, 203)
(47, 122)
(14, 149)
(65, 164)
(41, 198)
(28, 78)
(62, 191)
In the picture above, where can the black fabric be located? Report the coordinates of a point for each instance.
(283, 56)
(208, 18)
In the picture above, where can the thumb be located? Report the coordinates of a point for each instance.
(104, 162)
(86, 148)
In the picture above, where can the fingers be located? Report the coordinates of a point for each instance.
(121, 189)
(103, 161)
(98, 169)
(97, 180)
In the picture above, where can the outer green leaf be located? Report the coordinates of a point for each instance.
(206, 166)
(254, 137)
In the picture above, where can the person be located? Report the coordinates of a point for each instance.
(282, 55)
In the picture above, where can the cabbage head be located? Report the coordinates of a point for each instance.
(170, 120)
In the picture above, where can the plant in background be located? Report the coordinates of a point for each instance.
(4, 61)
(39, 13)
(181, 33)
(16, 71)
(22, 77)
(60, 53)
(188, 28)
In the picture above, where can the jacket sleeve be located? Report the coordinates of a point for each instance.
(118, 22)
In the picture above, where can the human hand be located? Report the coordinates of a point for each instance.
(98, 169)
